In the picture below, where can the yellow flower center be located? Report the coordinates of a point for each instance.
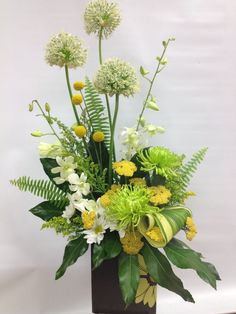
(99, 229)
(88, 219)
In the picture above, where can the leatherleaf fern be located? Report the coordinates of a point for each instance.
(179, 184)
(95, 110)
(42, 188)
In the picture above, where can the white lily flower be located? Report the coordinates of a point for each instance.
(79, 183)
(66, 167)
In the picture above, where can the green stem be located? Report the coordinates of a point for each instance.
(46, 118)
(110, 176)
(158, 70)
(106, 96)
(70, 93)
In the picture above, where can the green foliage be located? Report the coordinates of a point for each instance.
(41, 188)
(128, 276)
(178, 185)
(161, 271)
(69, 140)
(95, 110)
(109, 248)
(184, 257)
(61, 225)
(47, 210)
(73, 251)
(188, 169)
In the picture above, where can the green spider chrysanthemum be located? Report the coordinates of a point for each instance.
(128, 206)
(161, 160)
(66, 49)
(116, 77)
(101, 16)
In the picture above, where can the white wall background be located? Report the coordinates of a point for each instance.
(196, 96)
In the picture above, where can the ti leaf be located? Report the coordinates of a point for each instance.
(109, 248)
(184, 257)
(161, 271)
(128, 277)
(48, 164)
(73, 251)
(46, 210)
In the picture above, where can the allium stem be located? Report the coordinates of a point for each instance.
(70, 93)
(106, 96)
(110, 176)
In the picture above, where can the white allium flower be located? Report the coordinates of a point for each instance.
(66, 49)
(79, 183)
(96, 233)
(116, 77)
(66, 167)
(101, 16)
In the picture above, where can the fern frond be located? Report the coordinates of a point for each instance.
(187, 171)
(42, 188)
(95, 109)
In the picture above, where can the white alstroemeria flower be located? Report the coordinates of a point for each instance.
(79, 183)
(69, 212)
(66, 167)
(96, 234)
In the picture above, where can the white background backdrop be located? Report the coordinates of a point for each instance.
(196, 95)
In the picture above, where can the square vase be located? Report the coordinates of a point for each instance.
(106, 293)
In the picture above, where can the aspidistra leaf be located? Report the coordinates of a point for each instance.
(46, 210)
(73, 251)
(128, 277)
(186, 258)
(161, 271)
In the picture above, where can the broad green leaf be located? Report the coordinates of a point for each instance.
(48, 164)
(109, 248)
(112, 245)
(160, 270)
(186, 258)
(46, 210)
(73, 251)
(98, 255)
(128, 277)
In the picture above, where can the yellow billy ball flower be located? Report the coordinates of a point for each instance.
(78, 85)
(98, 136)
(77, 99)
(80, 131)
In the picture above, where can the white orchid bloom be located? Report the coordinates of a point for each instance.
(79, 183)
(69, 212)
(50, 150)
(66, 167)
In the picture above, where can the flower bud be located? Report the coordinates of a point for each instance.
(31, 107)
(47, 107)
(37, 133)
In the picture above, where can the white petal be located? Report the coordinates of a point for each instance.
(59, 161)
(56, 170)
(59, 180)
(73, 178)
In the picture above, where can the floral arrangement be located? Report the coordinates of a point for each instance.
(129, 207)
